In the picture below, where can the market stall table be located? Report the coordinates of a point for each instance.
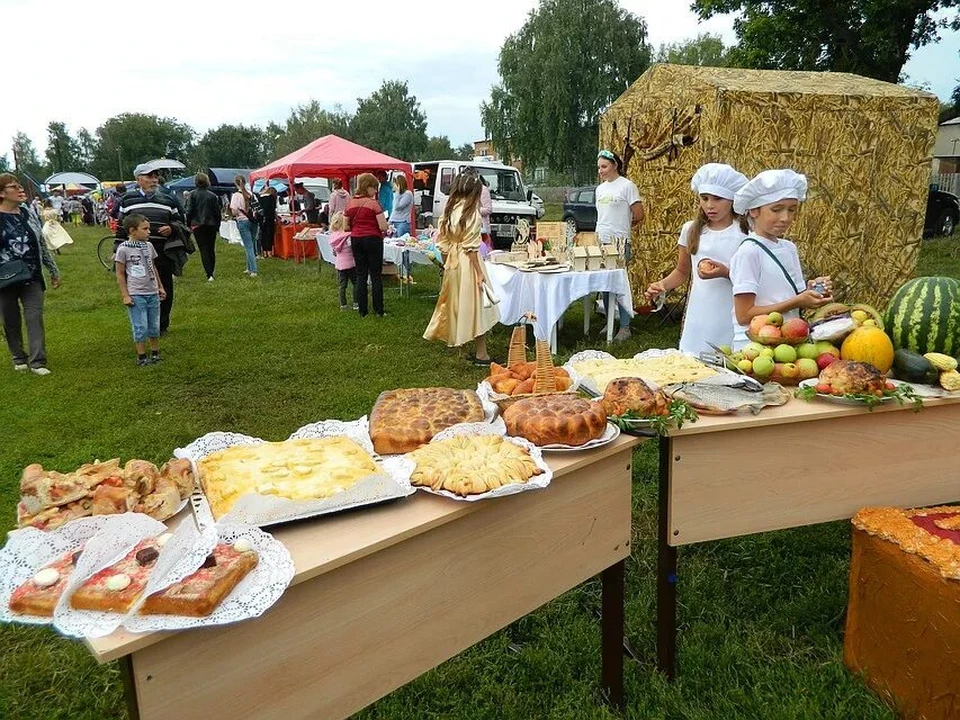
(384, 594)
(284, 246)
(716, 479)
(549, 295)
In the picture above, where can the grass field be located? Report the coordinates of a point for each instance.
(761, 617)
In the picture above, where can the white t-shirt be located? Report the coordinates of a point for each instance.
(753, 271)
(711, 301)
(614, 198)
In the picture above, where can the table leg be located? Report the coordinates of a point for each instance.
(666, 572)
(129, 687)
(611, 312)
(553, 339)
(611, 645)
(586, 314)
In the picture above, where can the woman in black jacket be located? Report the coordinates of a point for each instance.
(203, 217)
(268, 219)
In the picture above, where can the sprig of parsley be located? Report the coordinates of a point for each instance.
(678, 413)
(901, 394)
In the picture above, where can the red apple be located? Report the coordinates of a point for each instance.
(769, 333)
(824, 359)
(795, 329)
(757, 323)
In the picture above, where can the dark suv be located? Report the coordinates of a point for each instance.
(580, 209)
(943, 213)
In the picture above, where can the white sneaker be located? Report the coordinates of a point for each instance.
(253, 274)
(40, 371)
(210, 279)
(20, 366)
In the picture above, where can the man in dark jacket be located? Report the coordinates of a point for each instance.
(203, 217)
(160, 210)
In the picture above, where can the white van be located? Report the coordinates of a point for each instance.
(511, 200)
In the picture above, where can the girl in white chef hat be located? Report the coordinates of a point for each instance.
(705, 249)
(765, 271)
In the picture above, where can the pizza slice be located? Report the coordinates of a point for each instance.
(111, 500)
(163, 502)
(199, 594)
(116, 588)
(52, 518)
(41, 489)
(40, 594)
(181, 472)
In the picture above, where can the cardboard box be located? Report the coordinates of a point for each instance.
(579, 259)
(594, 257)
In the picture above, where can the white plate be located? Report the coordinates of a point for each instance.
(838, 399)
(609, 435)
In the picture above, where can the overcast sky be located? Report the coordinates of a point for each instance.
(207, 63)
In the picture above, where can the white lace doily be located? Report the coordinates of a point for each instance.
(538, 482)
(584, 381)
(115, 539)
(263, 511)
(260, 589)
(29, 550)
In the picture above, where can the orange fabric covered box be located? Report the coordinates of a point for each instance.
(903, 618)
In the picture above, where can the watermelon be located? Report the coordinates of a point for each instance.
(924, 316)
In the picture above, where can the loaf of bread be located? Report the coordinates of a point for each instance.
(556, 419)
(633, 395)
(403, 420)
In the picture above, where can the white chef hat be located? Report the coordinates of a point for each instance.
(717, 179)
(769, 187)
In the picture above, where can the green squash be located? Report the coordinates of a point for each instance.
(911, 366)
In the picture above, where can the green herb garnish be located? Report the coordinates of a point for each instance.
(678, 413)
(901, 393)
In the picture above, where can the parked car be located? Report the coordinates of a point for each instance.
(943, 213)
(580, 209)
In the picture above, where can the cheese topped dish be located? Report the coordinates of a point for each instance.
(672, 368)
(307, 469)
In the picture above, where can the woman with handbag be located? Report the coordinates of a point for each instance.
(22, 255)
(466, 308)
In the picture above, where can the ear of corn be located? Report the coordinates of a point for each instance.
(941, 361)
(950, 380)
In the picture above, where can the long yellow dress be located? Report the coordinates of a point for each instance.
(53, 233)
(459, 316)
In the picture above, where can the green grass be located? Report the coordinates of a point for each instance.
(761, 617)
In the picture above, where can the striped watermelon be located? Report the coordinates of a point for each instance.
(924, 316)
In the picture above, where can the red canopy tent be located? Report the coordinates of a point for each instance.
(332, 157)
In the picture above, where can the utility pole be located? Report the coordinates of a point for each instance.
(119, 162)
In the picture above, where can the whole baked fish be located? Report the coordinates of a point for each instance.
(722, 394)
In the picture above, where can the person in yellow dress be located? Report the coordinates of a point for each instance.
(460, 315)
(54, 234)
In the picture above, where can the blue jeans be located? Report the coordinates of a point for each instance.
(400, 228)
(145, 317)
(246, 235)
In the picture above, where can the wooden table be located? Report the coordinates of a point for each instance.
(717, 478)
(384, 594)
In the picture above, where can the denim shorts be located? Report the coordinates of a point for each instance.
(145, 317)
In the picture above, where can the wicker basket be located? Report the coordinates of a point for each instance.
(545, 382)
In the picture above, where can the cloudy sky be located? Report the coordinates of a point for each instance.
(207, 63)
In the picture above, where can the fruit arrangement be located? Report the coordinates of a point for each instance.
(924, 316)
(772, 329)
(519, 379)
(833, 322)
(785, 364)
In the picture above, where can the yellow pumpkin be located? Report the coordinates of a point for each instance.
(870, 345)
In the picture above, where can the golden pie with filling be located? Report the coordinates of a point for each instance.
(305, 469)
(472, 464)
(556, 419)
(403, 420)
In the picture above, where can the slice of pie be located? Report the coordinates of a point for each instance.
(116, 588)
(403, 420)
(40, 594)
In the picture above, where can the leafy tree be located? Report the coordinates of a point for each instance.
(88, 149)
(305, 124)
(4, 164)
(63, 152)
(867, 37)
(25, 157)
(231, 146)
(130, 138)
(559, 72)
(705, 50)
(390, 120)
(464, 152)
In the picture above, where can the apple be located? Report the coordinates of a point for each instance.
(777, 371)
(784, 353)
(745, 365)
(808, 351)
(795, 329)
(790, 371)
(757, 323)
(825, 359)
(763, 366)
(766, 352)
(752, 351)
(825, 346)
(726, 349)
(775, 318)
(770, 332)
(808, 368)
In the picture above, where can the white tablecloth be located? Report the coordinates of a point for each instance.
(230, 232)
(392, 253)
(549, 295)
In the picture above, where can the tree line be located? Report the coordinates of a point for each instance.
(389, 120)
(573, 58)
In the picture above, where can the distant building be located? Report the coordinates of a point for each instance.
(946, 151)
